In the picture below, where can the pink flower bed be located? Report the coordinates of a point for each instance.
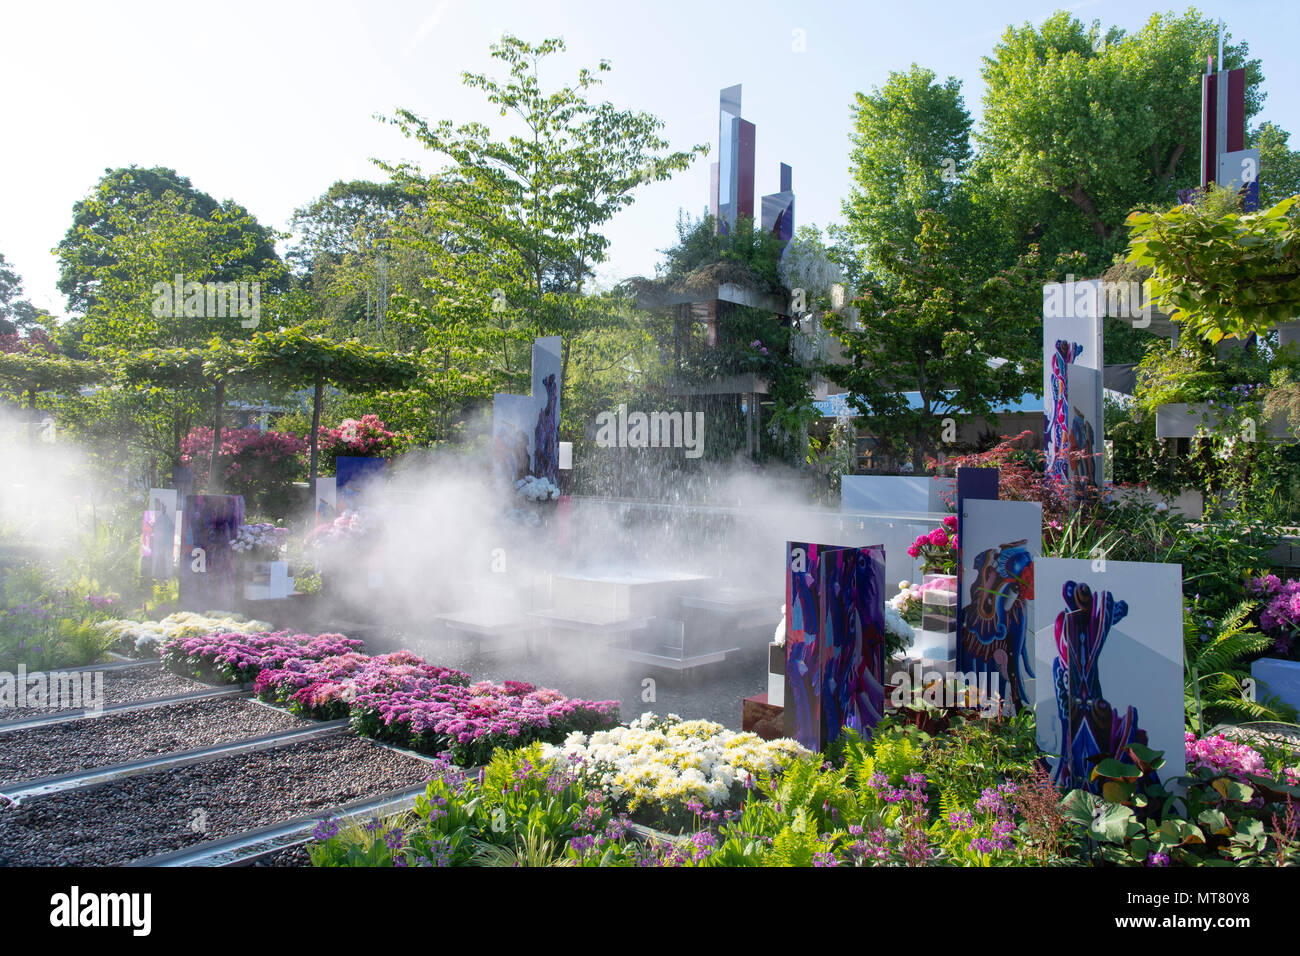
(237, 658)
(399, 698)
(470, 722)
(326, 688)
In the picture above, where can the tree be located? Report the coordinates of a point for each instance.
(353, 255)
(938, 333)
(1279, 165)
(31, 372)
(1080, 128)
(526, 210)
(17, 315)
(296, 359)
(89, 251)
(215, 366)
(143, 244)
(911, 149)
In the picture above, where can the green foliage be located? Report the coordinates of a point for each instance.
(936, 333)
(111, 225)
(1215, 666)
(1221, 273)
(911, 149)
(1081, 125)
(1279, 165)
(28, 373)
(1211, 820)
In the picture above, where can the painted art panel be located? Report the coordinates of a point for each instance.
(353, 476)
(834, 640)
(1108, 648)
(1072, 376)
(526, 428)
(207, 561)
(326, 500)
(158, 541)
(1000, 542)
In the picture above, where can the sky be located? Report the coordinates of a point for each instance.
(269, 103)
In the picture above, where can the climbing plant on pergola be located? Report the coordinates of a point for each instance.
(215, 366)
(294, 358)
(29, 373)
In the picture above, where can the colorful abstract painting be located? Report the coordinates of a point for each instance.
(546, 436)
(526, 428)
(835, 648)
(1000, 542)
(1059, 433)
(207, 561)
(1109, 633)
(1072, 380)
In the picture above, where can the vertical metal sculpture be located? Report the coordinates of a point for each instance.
(731, 178)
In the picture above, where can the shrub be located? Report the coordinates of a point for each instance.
(258, 465)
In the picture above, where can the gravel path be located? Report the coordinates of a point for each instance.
(136, 735)
(121, 686)
(169, 809)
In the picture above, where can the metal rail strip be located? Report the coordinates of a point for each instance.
(45, 786)
(243, 849)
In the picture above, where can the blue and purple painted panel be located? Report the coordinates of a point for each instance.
(835, 647)
(526, 428)
(209, 524)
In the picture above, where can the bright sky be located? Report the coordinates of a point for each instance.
(269, 103)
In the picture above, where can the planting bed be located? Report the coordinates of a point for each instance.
(122, 685)
(136, 735)
(158, 812)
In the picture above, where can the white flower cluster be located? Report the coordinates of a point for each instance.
(147, 636)
(669, 761)
(533, 488)
(907, 593)
(263, 538)
(895, 625)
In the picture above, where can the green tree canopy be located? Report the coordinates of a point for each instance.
(294, 358)
(143, 243)
(911, 148)
(1079, 128)
(524, 210)
(121, 202)
(32, 372)
(938, 333)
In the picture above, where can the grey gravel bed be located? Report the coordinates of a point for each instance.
(135, 735)
(289, 856)
(121, 686)
(166, 810)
